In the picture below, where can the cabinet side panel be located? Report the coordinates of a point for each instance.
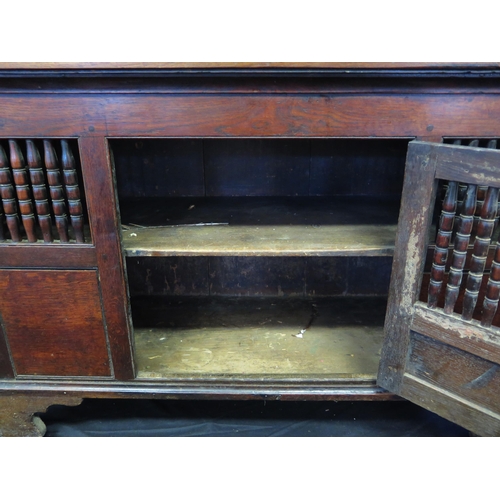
(53, 322)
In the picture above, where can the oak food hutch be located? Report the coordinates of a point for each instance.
(228, 231)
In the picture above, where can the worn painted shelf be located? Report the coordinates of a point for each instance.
(260, 226)
(255, 337)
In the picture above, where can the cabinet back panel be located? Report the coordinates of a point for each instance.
(258, 276)
(259, 167)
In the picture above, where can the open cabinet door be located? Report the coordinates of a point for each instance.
(442, 329)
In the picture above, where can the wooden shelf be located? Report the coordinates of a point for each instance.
(254, 337)
(259, 227)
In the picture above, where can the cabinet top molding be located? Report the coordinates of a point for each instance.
(246, 65)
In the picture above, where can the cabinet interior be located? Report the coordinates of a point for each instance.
(249, 258)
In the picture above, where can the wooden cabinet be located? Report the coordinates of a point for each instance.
(227, 233)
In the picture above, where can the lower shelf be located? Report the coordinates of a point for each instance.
(257, 338)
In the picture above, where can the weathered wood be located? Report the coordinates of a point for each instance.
(455, 162)
(468, 376)
(53, 323)
(251, 337)
(445, 361)
(451, 330)
(450, 406)
(291, 241)
(255, 226)
(17, 413)
(419, 193)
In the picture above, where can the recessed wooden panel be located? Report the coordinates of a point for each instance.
(468, 376)
(54, 323)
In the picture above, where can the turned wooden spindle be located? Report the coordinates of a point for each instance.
(56, 190)
(480, 252)
(72, 191)
(442, 243)
(9, 201)
(481, 193)
(39, 187)
(23, 190)
(490, 304)
(461, 243)
(2, 233)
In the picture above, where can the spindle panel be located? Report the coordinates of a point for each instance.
(42, 197)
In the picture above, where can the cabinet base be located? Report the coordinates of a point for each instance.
(17, 413)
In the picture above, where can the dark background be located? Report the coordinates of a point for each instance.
(155, 418)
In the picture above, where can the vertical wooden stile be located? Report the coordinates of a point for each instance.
(442, 243)
(9, 200)
(72, 191)
(23, 190)
(39, 187)
(56, 190)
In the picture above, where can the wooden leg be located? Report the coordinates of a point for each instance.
(17, 413)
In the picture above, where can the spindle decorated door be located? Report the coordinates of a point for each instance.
(442, 330)
(51, 317)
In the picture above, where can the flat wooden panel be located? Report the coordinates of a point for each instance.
(102, 208)
(53, 322)
(454, 370)
(448, 405)
(51, 255)
(304, 116)
(250, 116)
